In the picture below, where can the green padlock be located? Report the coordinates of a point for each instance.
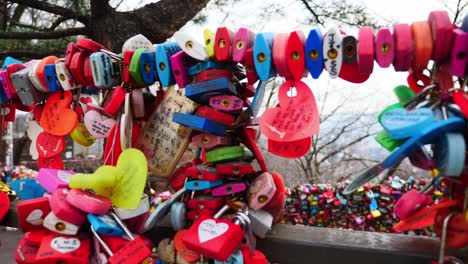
(386, 141)
(388, 108)
(134, 67)
(403, 93)
(225, 154)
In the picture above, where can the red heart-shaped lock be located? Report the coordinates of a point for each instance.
(295, 118)
(49, 145)
(256, 258)
(189, 255)
(57, 118)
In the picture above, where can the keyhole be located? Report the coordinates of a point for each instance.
(240, 44)
(208, 41)
(226, 102)
(222, 43)
(195, 185)
(200, 175)
(189, 44)
(350, 50)
(205, 140)
(229, 189)
(332, 54)
(147, 68)
(236, 170)
(162, 66)
(385, 48)
(60, 226)
(292, 92)
(262, 198)
(461, 55)
(49, 78)
(261, 57)
(313, 54)
(201, 205)
(295, 56)
(176, 72)
(62, 77)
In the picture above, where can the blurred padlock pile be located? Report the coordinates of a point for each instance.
(370, 208)
(210, 94)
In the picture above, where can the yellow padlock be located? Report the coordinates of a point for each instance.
(209, 37)
(376, 213)
(82, 136)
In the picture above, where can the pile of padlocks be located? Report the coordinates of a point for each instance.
(370, 208)
(223, 199)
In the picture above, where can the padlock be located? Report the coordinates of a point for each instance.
(215, 116)
(72, 48)
(235, 168)
(403, 47)
(164, 52)
(102, 70)
(35, 237)
(459, 51)
(31, 213)
(332, 51)
(234, 258)
(198, 123)
(229, 189)
(203, 172)
(314, 52)
(384, 47)
(208, 141)
(27, 188)
(88, 202)
(105, 224)
(52, 179)
(195, 214)
(215, 238)
(191, 46)
(243, 40)
(25, 89)
(178, 215)
(65, 78)
(261, 191)
(205, 202)
(180, 64)
(261, 222)
(134, 251)
(227, 103)
(77, 67)
(112, 104)
(205, 66)
(198, 185)
(224, 154)
(26, 252)
(142, 208)
(64, 249)
(64, 210)
(202, 92)
(89, 45)
(53, 223)
(148, 66)
(365, 49)
(135, 67)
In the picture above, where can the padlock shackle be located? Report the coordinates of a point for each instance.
(122, 225)
(443, 237)
(101, 242)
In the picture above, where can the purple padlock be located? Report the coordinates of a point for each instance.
(228, 189)
(52, 179)
(179, 69)
(411, 202)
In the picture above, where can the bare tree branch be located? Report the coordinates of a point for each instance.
(44, 35)
(312, 12)
(54, 9)
(353, 142)
(58, 22)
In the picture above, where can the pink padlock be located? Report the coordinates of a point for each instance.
(261, 191)
(227, 103)
(64, 210)
(179, 64)
(52, 179)
(89, 203)
(365, 49)
(228, 189)
(384, 47)
(411, 202)
(243, 40)
(459, 56)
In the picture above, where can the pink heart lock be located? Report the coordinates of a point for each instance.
(411, 202)
(64, 210)
(52, 179)
(88, 202)
(96, 126)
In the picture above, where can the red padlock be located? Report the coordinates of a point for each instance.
(26, 252)
(64, 249)
(31, 213)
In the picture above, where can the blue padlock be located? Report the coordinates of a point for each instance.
(314, 53)
(148, 67)
(203, 66)
(27, 188)
(235, 258)
(163, 54)
(51, 78)
(202, 185)
(201, 92)
(9, 60)
(198, 123)
(262, 51)
(105, 225)
(102, 69)
(373, 205)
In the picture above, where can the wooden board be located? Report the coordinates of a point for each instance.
(162, 141)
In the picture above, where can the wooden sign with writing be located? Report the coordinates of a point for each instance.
(162, 141)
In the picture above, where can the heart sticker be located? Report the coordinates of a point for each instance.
(33, 132)
(65, 245)
(57, 118)
(49, 145)
(97, 127)
(295, 118)
(400, 123)
(35, 217)
(209, 229)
